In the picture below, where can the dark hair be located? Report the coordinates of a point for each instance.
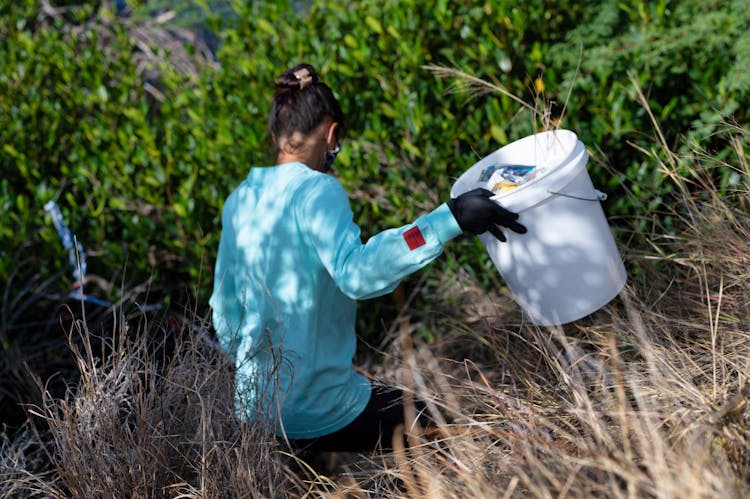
(300, 103)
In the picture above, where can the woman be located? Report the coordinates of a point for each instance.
(291, 266)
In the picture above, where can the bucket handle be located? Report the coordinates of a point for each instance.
(600, 196)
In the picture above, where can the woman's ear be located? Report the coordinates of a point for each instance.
(331, 136)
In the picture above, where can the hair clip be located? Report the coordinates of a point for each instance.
(304, 77)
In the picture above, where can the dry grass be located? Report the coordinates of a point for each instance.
(136, 426)
(646, 398)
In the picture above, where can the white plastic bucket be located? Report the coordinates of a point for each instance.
(567, 265)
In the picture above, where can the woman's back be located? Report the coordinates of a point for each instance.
(295, 333)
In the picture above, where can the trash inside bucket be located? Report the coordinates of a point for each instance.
(567, 265)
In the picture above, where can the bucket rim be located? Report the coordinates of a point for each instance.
(466, 182)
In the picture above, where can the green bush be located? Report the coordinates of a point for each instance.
(141, 175)
(688, 59)
(138, 180)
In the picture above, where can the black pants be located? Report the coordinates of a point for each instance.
(370, 430)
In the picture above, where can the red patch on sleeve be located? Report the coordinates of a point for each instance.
(414, 238)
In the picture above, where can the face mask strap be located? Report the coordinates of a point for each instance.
(329, 158)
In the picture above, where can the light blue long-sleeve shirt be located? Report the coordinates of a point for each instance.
(290, 267)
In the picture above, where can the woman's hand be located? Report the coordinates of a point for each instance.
(475, 212)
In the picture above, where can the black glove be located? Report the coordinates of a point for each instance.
(475, 212)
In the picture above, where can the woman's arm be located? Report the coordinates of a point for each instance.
(376, 267)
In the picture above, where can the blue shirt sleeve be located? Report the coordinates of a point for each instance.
(376, 267)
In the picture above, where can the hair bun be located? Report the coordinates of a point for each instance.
(301, 102)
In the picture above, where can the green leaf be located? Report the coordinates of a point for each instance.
(374, 24)
(11, 151)
(266, 27)
(179, 210)
(102, 93)
(350, 41)
(498, 134)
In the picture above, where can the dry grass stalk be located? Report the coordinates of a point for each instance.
(474, 87)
